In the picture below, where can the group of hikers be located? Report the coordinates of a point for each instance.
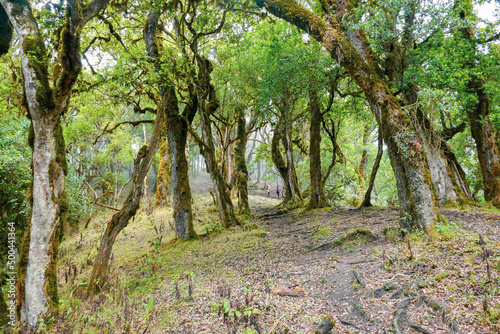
(268, 191)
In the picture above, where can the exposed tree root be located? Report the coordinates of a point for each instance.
(359, 277)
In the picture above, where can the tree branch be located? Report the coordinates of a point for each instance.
(133, 123)
(112, 31)
(92, 9)
(106, 206)
(449, 133)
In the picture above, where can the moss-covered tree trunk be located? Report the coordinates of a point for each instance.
(317, 198)
(486, 146)
(368, 194)
(241, 165)
(457, 173)
(479, 113)
(177, 131)
(364, 160)
(293, 180)
(279, 163)
(207, 105)
(120, 220)
(417, 208)
(448, 179)
(45, 106)
(163, 179)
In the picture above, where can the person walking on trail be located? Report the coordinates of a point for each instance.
(278, 191)
(268, 190)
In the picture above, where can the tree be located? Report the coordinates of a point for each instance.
(349, 48)
(478, 110)
(46, 104)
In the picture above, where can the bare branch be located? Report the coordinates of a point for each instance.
(106, 206)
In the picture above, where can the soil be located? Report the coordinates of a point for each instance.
(351, 282)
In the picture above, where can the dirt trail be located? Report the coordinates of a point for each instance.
(348, 281)
(327, 273)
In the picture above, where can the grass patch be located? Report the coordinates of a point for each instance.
(147, 269)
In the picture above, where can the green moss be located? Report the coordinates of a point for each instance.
(51, 288)
(60, 147)
(34, 50)
(163, 179)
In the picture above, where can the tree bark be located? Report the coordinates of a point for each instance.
(417, 208)
(163, 178)
(368, 194)
(364, 160)
(5, 32)
(280, 164)
(177, 131)
(317, 198)
(45, 106)
(448, 179)
(241, 165)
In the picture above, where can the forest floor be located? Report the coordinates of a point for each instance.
(287, 272)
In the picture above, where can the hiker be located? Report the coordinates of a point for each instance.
(278, 191)
(268, 190)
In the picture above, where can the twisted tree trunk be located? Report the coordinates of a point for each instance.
(241, 165)
(45, 106)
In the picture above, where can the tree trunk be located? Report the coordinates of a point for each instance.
(293, 180)
(479, 116)
(458, 174)
(317, 198)
(241, 165)
(486, 146)
(50, 205)
(162, 181)
(177, 133)
(45, 106)
(364, 160)
(177, 130)
(280, 164)
(368, 194)
(417, 207)
(120, 220)
(448, 178)
(208, 104)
